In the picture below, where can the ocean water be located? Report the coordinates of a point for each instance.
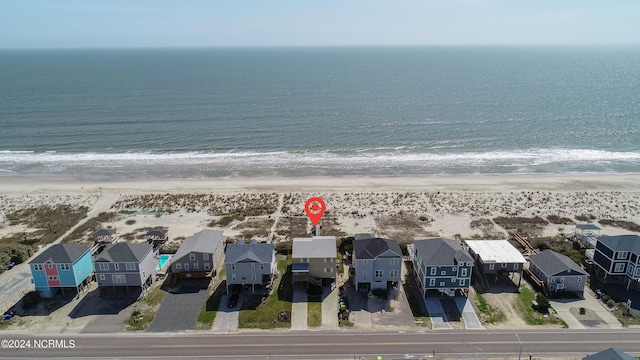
(227, 112)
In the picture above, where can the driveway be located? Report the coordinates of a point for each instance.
(227, 318)
(299, 309)
(471, 320)
(180, 309)
(436, 313)
(330, 308)
(599, 317)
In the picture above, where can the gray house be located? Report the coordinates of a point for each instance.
(618, 257)
(200, 255)
(104, 236)
(157, 237)
(496, 257)
(250, 264)
(377, 262)
(314, 260)
(126, 264)
(442, 265)
(557, 273)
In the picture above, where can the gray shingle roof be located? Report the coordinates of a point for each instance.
(622, 243)
(315, 247)
(372, 247)
(104, 232)
(440, 251)
(61, 254)
(261, 253)
(205, 241)
(610, 354)
(157, 232)
(552, 263)
(124, 252)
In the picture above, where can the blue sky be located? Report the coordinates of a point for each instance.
(153, 23)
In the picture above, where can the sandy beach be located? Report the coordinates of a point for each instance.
(404, 207)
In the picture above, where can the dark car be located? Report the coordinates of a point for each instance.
(233, 299)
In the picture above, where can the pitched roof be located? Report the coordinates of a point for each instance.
(588, 226)
(609, 354)
(552, 263)
(622, 243)
(496, 251)
(253, 251)
(204, 241)
(157, 232)
(124, 252)
(315, 247)
(440, 251)
(61, 254)
(372, 247)
(104, 232)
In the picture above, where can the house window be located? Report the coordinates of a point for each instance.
(454, 269)
(516, 266)
(379, 273)
(130, 266)
(504, 264)
(234, 277)
(393, 273)
(103, 266)
(463, 272)
(619, 267)
(461, 283)
(64, 266)
(196, 266)
(432, 282)
(561, 280)
(178, 266)
(205, 256)
(192, 256)
(395, 261)
(364, 274)
(433, 271)
(233, 266)
(253, 277)
(328, 270)
(443, 273)
(102, 277)
(253, 265)
(261, 266)
(207, 266)
(50, 265)
(37, 267)
(118, 279)
(553, 280)
(52, 277)
(327, 260)
(492, 266)
(622, 255)
(116, 266)
(579, 279)
(441, 283)
(304, 260)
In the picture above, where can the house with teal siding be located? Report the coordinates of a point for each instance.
(60, 267)
(442, 265)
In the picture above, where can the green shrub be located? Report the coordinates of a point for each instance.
(543, 302)
(611, 303)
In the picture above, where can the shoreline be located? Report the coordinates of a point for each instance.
(428, 183)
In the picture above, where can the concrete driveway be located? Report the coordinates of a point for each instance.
(471, 320)
(436, 313)
(299, 309)
(563, 308)
(226, 317)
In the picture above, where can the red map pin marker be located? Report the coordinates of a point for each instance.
(315, 207)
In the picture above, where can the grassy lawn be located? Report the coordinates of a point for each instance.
(530, 316)
(314, 313)
(210, 308)
(262, 313)
(624, 316)
(488, 314)
(145, 309)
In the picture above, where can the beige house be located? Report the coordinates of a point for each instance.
(314, 260)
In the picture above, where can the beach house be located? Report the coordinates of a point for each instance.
(618, 259)
(251, 264)
(377, 262)
(314, 260)
(126, 264)
(200, 255)
(557, 273)
(442, 265)
(495, 258)
(60, 267)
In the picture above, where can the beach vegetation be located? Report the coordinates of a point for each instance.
(145, 309)
(558, 220)
(488, 229)
(623, 224)
(82, 232)
(226, 220)
(255, 228)
(526, 226)
(585, 217)
(531, 316)
(291, 227)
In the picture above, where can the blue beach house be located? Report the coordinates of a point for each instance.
(442, 265)
(61, 266)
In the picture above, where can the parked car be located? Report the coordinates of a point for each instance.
(233, 300)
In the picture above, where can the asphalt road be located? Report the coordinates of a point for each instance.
(331, 345)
